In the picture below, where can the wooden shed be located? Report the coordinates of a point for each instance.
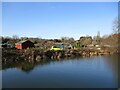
(24, 44)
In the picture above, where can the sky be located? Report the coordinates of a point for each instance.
(50, 20)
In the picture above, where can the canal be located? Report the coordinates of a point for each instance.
(87, 72)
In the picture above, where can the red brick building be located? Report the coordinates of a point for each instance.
(24, 44)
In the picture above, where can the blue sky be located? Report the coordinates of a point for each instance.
(58, 19)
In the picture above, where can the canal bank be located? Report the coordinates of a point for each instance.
(31, 55)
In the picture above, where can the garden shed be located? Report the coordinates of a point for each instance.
(24, 44)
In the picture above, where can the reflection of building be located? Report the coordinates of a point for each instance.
(18, 68)
(24, 44)
(25, 68)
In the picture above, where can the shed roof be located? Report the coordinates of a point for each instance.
(20, 42)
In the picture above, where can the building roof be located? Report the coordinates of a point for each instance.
(20, 42)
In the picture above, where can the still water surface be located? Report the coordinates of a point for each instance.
(93, 72)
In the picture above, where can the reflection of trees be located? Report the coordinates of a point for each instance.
(24, 66)
(112, 63)
(29, 66)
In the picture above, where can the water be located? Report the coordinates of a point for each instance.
(93, 72)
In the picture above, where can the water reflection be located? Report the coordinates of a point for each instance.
(83, 72)
(29, 66)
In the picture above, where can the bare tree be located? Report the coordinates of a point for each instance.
(67, 39)
(15, 37)
(116, 26)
